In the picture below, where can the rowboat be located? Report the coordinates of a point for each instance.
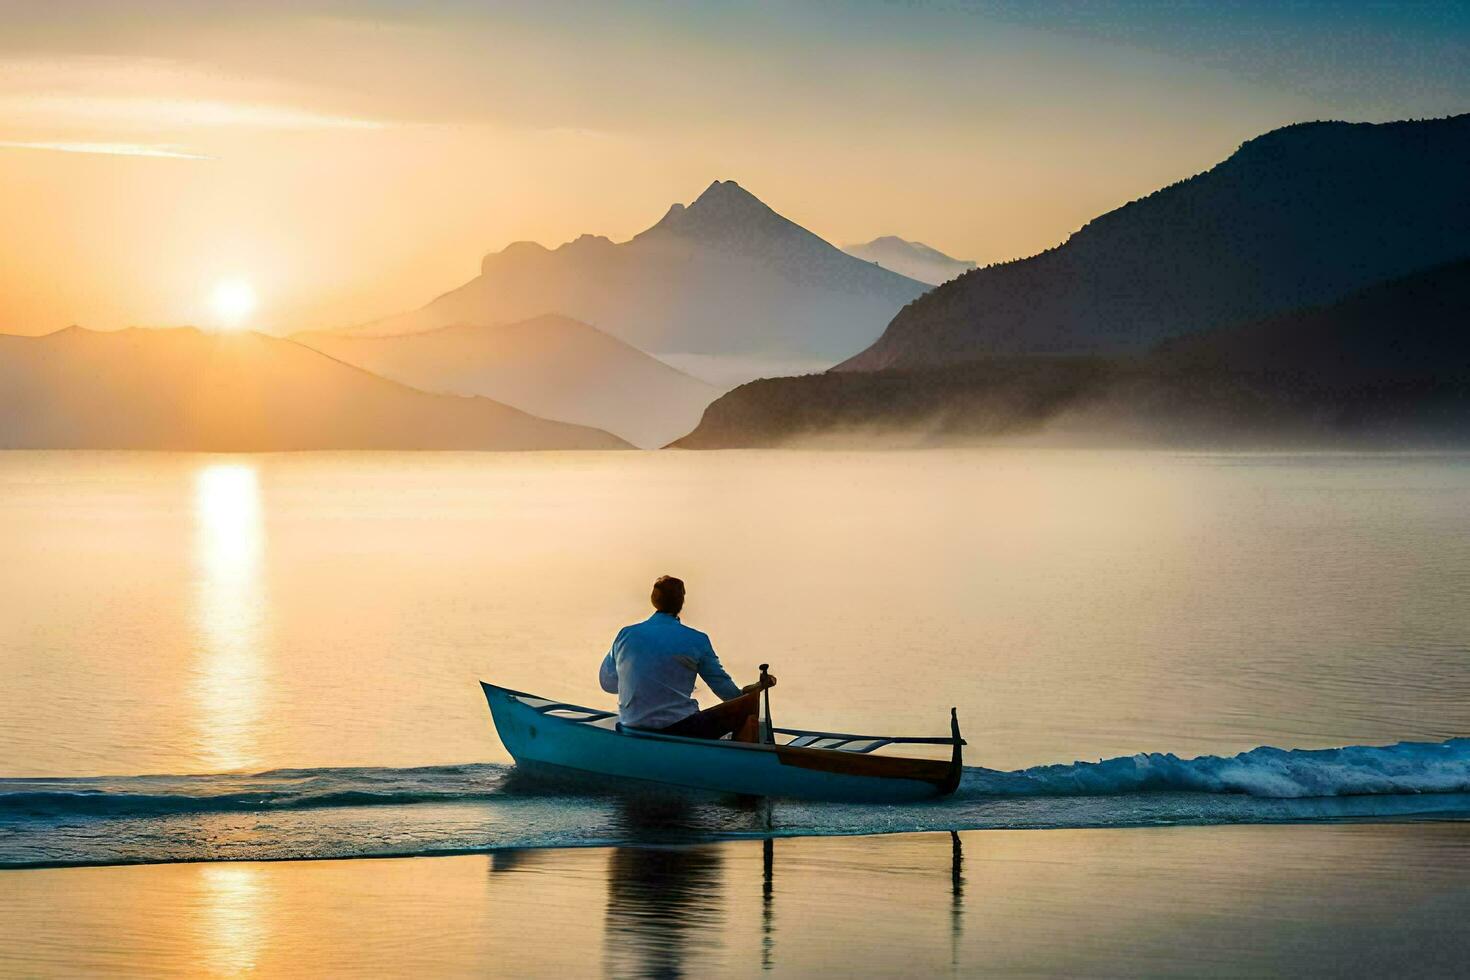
(555, 737)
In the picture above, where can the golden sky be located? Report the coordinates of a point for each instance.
(351, 160)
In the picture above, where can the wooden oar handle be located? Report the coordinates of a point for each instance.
(767, 735)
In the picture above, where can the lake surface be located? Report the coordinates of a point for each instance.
(293, 614)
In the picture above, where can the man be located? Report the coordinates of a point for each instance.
(652, 666)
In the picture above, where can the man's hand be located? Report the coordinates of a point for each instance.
(752, 688)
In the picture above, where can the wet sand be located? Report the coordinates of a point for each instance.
(1303, 900)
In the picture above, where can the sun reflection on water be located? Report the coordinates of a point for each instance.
(229, 615)
(231, 921)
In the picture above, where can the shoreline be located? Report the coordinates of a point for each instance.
(694, 840)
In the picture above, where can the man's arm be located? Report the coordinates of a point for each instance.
(607, 676)
(713, 673)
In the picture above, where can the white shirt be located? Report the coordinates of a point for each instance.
(652, 666)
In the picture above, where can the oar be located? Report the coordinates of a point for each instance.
(769, 737)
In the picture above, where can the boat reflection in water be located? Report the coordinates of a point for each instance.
(956, 896)
(768, 904)
(682, 898)
(680, 909)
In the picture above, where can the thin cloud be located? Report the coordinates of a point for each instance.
(109, 149)
(174, 113)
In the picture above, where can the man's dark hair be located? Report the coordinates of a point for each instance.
(668, 595)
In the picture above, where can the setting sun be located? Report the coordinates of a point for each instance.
(232, 301)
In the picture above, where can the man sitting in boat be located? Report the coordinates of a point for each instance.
(652, 666)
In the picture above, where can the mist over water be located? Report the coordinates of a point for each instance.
(302, 612)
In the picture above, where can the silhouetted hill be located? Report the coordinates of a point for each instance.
(1295, 217)
(1388, 365)
(1417, 325)
(182, 389)
(725, 286)
(913, 259)
(551, 366)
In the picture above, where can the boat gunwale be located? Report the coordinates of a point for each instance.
(648, 733)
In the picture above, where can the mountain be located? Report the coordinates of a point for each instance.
(182, 389)
(1293, 218)
(1385, 366)
(1410, 327)
(913, 259)
(725, 284)
(550, 366)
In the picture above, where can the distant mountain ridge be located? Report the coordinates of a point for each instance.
(183, 389)
(1295, 217)
(1384, 367)
(913, 259)
(724, 277)
(551, 366)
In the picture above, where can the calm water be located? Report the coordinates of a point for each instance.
(1379, 900)
(180, 614)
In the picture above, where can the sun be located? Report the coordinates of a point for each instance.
(232, 301)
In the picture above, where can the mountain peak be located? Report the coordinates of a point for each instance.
(722, 281)
(727, 202)
(913, 259)
(727, 193)
(587, 242)
(522, 251)
(724, 212)
(74, 330)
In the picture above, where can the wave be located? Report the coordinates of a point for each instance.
(279, 789)
(1407, 768)
(375, 812)
(1266, 772)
